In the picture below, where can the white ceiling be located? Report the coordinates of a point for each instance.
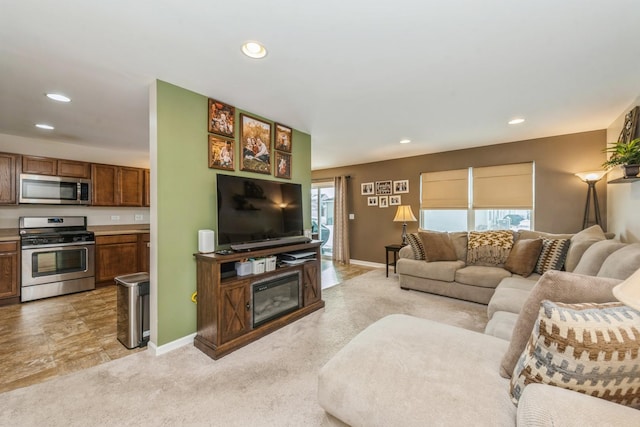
(357, 75)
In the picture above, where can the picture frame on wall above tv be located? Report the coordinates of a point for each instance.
(221, 118)
(221, 153)
(282, 165)
(255, 138)
(284, 138)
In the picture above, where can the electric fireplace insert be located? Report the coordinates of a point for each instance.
(275, 297)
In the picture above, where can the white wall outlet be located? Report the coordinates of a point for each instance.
(352, 216)
(138, 217)
(115, 217)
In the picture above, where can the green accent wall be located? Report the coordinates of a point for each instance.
(186, 199)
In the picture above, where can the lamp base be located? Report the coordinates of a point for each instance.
(405, 241)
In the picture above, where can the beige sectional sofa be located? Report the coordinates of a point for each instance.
(406, 371)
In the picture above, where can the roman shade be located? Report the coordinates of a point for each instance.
(503, 187)
(445, 190)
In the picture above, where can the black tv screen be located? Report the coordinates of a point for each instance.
(252, 210)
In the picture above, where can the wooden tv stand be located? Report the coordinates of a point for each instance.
(224, 312)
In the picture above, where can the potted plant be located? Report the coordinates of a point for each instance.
(626, 154)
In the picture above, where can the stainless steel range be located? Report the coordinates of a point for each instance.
(57, 256)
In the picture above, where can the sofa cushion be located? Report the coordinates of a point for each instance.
(580, 243)
(544, 405)
(555, 286)
(416, 245)
(490, 248)
(501, 325)
(482, 276)
(588, 348)
(622, 263)
(511, 294)
(439, 270)
(553, 254)
(523, 256)
(403, 370)
(592, 259)
(459, 239)
(437, 246)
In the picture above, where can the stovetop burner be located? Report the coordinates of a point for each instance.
(37, 231)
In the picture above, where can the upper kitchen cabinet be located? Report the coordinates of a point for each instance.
(8, 164)
(117, 185)
(56, 167)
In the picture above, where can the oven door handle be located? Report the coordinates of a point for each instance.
(58, 245)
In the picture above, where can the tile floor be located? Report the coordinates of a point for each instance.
(43, 339)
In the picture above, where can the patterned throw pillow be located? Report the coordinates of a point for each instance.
(489, 247)
(588, 348)
(416, 244)
(554, 252)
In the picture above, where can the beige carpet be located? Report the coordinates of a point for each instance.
(271, 382)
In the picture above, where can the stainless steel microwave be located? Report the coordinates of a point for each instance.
(54, 190)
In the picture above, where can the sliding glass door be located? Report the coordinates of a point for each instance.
(322, 199)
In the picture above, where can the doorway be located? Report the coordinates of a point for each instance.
(322, 201)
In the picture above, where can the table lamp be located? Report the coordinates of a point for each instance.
(591, 178)
(403, 215)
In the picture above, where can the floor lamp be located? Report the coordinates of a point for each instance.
(404, 214)
(591, 178)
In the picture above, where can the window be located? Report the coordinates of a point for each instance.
(485, 198)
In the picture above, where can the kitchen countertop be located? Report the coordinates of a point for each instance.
(110, 230)
(9, 234)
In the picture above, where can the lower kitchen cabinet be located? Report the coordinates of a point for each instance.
(9, 272)
(120, 254)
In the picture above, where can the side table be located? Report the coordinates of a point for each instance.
(394, 249)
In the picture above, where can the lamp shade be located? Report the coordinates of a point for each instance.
(628, 291)
(404, 214)
(591, 175)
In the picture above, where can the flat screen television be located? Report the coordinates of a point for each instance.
(257, 212)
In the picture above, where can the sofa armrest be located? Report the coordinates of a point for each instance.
(545, 405)
(406, 252)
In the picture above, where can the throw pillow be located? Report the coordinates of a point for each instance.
(416, 244)
(437, 246)
(523, 256)
(588, 348)
(555, 286)
(580, 243)
(489, 247)
(553, 254)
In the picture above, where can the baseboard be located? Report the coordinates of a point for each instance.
(367, 263)
(173, 345)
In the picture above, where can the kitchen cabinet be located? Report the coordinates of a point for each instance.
(117, 185)
(116, 255)
(9, 273)
(147, 188)
(55, 167)
(8, 173)
(144, 251)
(225, 309)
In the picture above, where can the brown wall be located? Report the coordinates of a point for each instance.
(559, 201)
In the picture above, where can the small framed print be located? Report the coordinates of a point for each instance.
(255, 135)
(395, 200)
(221, 153)
(284, 138)
(372, 201)
(221, 118)
(401, 186)
(282, 165)
(383, 201)
(383, 188)
(366, 189)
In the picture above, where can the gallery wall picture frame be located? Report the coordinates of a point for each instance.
(367, 189)
(395, 200)
(383, 188)
(255, 137)
(221, 118)
(401, 186)
(282, 165)
(629, 129)
(221, 153)
(383, 201)
(372, 201)
(283, 140)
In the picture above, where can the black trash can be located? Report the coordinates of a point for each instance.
(133, 309)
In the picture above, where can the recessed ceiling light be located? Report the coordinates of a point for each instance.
(44, 126)
(254, 50)
(405, 141)
(516, 121)
(58, 97)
